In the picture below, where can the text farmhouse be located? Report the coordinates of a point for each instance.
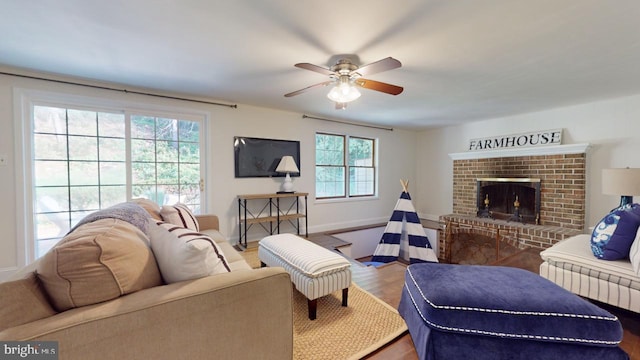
(538, 138)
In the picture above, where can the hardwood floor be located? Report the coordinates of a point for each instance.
(386, 283)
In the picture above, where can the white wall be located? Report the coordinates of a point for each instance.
(612, 128)
(396, 161)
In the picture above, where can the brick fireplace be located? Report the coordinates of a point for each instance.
(562, 175)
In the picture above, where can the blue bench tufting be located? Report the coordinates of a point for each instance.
(492, 312)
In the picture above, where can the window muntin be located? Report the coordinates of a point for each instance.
(86, 160)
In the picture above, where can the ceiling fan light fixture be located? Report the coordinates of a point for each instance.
(346, 77)
(343, 93)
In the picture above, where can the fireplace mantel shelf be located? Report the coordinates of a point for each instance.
(527, 151)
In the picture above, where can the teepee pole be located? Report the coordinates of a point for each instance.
(405, 185)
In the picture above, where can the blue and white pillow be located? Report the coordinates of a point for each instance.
(613, 236)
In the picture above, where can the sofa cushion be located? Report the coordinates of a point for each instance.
(215, 235)
(180, 215)
(613, 235)
(99, 261)
(23, 301)
(183, 254)
(574, 253)
(150, 206)
(234, 259)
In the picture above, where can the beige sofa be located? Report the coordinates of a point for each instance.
(242, 314)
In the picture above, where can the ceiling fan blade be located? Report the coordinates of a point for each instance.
(379, 86)
(308, 88)
(316, 68)
(379, 66)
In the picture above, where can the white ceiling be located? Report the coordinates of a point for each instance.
(462, 60)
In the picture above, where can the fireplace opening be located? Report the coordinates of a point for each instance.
(511, 199)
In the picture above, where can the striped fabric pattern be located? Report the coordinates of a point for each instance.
(611, 292)
(303, 255)
(180, 215)
(571, 265)
(310, 282)
(404, 219)
(183, 254)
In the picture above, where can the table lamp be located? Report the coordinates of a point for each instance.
(287, 165)
(623, 182)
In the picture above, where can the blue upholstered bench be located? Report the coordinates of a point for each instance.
(492, 312)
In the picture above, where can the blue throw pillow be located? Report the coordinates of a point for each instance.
(613, 235)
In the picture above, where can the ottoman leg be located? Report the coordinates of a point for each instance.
(313, 307)
(345, 296)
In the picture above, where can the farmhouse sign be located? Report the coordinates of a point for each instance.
(538, 138)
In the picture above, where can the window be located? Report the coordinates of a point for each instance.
(333, 163)
(361, 170)
(87, 159)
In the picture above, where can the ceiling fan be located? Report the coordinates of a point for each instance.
(347, 77)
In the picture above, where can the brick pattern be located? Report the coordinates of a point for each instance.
(562, 208)
(562, 184)
(514, 233)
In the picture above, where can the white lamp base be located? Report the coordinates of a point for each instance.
(287, 185)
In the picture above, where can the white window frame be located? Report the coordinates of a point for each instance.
(24, 101)
(347, 196)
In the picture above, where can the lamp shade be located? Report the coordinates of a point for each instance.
(287, 165)
(623, 182)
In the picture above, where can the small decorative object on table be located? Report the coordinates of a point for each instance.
(287, 165)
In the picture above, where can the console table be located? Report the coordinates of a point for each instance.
(272, 212)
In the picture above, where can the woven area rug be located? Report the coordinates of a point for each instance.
(340, 332)
(351, 332)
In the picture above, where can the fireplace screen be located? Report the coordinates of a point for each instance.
(511, 199)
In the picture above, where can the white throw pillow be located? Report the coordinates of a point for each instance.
(179, 214)
(634, 253)
(183, 254)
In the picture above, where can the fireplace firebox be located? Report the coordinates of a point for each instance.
(511, 199)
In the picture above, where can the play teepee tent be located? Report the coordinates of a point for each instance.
(404, 227)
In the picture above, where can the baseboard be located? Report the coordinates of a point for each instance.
(347, 224)
(324, 228)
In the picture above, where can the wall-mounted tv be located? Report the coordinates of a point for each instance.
(256, 157)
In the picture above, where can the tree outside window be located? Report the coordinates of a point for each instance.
(86, 160)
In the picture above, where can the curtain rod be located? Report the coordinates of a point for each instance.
(347, 122)
(235, 106)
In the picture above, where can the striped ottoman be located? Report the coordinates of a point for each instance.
(315, 271)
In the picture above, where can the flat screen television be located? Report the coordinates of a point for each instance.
(256, 157)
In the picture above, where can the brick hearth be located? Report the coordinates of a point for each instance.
(562, 208)
(512, 233)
